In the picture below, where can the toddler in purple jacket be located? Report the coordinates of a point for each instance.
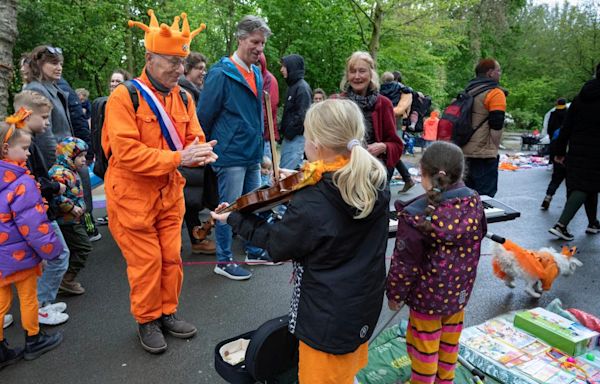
(26, 237)
(434, 264)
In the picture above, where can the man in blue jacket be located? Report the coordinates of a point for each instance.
(230, 111)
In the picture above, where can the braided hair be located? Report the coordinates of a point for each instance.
(443, 163)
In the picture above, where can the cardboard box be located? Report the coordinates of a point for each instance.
(566, 335)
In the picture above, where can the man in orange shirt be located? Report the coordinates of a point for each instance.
(144, 190)
(489, 107)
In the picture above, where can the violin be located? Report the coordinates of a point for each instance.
(259, 200)
(263, 198)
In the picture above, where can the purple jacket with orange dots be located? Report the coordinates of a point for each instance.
(26, 236)
(434, 273)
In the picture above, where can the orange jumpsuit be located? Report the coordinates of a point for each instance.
(144, 196)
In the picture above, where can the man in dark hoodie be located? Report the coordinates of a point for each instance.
(581, 134)
(489, 107)
(297, 102)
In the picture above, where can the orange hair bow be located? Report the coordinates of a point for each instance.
(17, 121)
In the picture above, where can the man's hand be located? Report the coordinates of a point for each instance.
(222, 217)
(376, 149)
(559, 159)
(198, 154)
(77, 211)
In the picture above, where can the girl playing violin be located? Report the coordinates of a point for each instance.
(335, 232)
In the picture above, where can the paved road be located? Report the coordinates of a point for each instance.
(101, 345)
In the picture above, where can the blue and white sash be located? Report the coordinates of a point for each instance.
(164, 120)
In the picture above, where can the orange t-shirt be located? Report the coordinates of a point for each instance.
(248, 76)
(495, 100)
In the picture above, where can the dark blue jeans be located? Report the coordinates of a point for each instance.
(482, 175)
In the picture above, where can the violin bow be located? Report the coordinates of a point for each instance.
(274, 156)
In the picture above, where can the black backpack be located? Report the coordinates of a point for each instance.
(98, 113)
(456, 122)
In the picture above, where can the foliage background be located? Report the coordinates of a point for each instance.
(545, 52)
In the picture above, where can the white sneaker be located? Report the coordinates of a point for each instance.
(52, 318)
(8, 320)
(59, 307)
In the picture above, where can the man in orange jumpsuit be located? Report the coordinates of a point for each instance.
(144, 190)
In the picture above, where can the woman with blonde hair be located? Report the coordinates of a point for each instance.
(361, 85)
(335, 232)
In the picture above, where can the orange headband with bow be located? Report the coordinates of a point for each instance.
(16, 121)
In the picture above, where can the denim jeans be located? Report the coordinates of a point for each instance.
(267, 149)
(53, 272)
(482, 175)
(292, 152)
(233, 182)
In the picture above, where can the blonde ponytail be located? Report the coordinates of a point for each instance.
(337, 124)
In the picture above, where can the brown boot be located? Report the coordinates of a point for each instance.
(407, 186)
(206, 247)
(69, 285)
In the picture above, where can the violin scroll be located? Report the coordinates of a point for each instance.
(201, 232)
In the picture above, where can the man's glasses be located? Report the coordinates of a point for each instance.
(174, 61)
(54, 50)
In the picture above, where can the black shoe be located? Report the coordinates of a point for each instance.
(151, 337)
(593, 229)
(36, 346)
(546, 203)
(178, 328)
(9, 356)
(560, 230)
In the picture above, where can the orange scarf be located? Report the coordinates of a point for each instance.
(313, 171)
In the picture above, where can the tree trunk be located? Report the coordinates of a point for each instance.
(377, 18)
(8, 36)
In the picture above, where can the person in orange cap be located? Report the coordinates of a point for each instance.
(144, 190)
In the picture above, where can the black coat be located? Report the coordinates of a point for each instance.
(39, 170)
(340, 268)
(190, 87)
(297, 99)
(581, 134)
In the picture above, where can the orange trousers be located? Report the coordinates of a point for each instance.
(316, 367)
(27, 291)
(145, 221)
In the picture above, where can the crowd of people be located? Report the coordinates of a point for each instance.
(178, 139)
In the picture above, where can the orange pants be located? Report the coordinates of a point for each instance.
(27, 291)
(316, 367)
(145, 221)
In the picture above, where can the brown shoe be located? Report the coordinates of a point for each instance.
(69, 285)
(206, 247)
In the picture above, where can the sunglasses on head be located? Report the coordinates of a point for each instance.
(54, 50)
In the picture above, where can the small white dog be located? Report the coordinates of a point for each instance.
(539, 269)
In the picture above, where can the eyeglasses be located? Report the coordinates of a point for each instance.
(174, 61)
(54, 50)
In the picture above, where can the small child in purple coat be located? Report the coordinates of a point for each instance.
(434, 264)
(26, 237)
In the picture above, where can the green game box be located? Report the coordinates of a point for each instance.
(566, 335)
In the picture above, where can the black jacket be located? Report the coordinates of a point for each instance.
(339, 264)
(39, 170)
(190, 87)
(557, 117)
(81, 128)
(581, 133)
(394, 90)
(297, 99)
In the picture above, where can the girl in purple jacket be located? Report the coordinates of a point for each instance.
(26, 237)
(434, 264)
